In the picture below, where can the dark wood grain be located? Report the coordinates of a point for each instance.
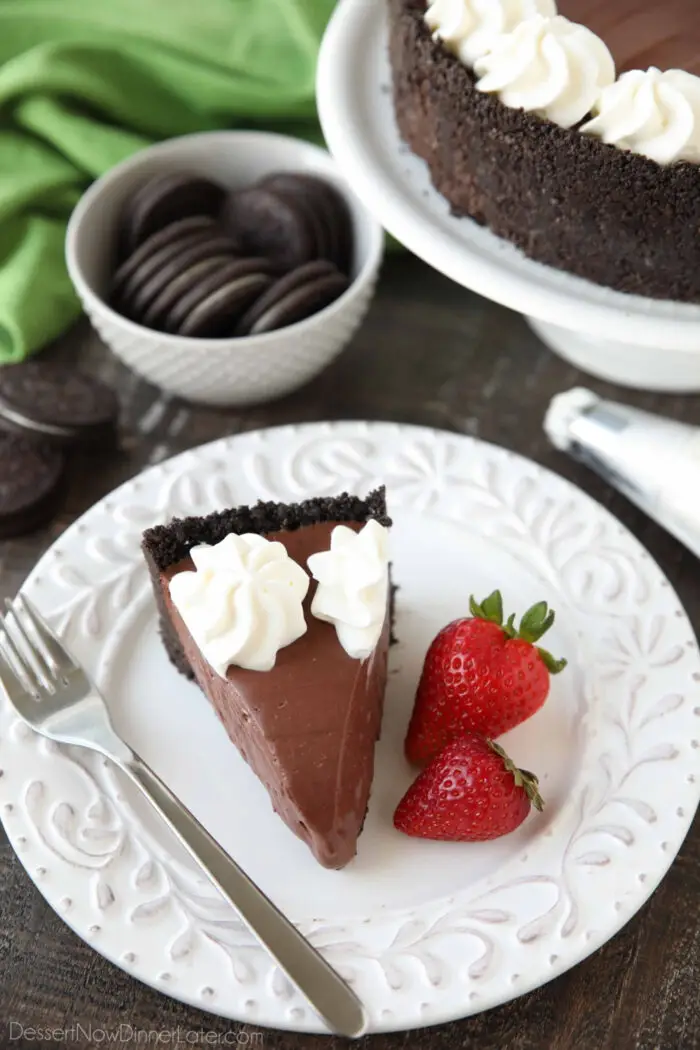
(434, 354)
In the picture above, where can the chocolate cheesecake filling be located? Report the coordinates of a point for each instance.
(308, 727)
(643, 33)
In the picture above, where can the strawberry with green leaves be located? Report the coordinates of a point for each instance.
(470, 792)
(481, 675)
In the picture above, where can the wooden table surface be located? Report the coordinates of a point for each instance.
(433, 354)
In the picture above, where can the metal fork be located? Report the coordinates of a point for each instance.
(54, 695)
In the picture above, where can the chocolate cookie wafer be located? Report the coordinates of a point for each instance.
(271, 225)
(156, 314)
(50, 401)
(165, 198)
(147, 282)
(217, 314)
(294, 297)
(329, 207)
(31, 476)
(172, 234)
(281, 288)
(211, 283)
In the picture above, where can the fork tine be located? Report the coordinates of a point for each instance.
(26, 633)
(9, 678)
(18, 664)
(27, 650)
(57, 658)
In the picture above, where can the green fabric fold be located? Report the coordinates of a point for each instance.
(86, 83)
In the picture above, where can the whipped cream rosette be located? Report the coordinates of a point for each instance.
(469, 27)
(243, 603)
(353, 586)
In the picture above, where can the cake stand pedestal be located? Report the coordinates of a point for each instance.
(627, 339)
(660, 367)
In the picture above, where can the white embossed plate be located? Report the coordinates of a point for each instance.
(426, 931)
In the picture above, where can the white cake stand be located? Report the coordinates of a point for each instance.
(630, 340)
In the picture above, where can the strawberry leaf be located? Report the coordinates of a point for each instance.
(522, 777)
(536, 622)
(490, 609)
(531, 784)
(493, 607)
(553, 666)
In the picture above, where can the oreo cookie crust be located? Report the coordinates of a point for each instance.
(563, 198)
(31, 476)
(165, 545)
(48, 400)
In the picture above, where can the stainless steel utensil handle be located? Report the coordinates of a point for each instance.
(324, 989)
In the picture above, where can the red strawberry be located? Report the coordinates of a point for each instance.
(469, 793)
(481, 675)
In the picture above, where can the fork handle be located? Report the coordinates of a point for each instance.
(318, 982)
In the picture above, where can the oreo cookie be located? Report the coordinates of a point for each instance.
(322, 235)
(165, 198)
(282, 287)
(272, 225)
(206, 263)
(31, 476)
(154, 263)
(211, 283)
(158, 311)
(329, 207)
(294, 297)
(172, 234)
(149, 280)
(216, 315)
(50, 401)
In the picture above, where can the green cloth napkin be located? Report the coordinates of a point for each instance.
(85, 83)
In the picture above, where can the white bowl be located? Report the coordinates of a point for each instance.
(219, 371)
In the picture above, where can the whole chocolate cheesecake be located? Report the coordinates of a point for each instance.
(302, 698)
(542, 121)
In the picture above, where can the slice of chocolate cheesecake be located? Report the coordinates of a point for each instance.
(295, 666)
